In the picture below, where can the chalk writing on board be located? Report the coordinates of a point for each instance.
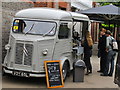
(54, 75)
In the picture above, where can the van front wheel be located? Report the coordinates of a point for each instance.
(65, 70)
(3, 72)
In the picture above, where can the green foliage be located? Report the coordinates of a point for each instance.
(111, 25)
(107, 3)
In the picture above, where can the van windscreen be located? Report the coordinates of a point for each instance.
(34, 27)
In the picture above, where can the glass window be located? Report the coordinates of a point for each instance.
(63, 31)
(34, 27)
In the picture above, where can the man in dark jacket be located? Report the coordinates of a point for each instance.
(102, 51)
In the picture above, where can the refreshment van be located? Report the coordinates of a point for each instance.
(42, 34)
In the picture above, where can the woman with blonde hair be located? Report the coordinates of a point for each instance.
(88, 43)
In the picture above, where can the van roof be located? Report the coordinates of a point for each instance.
(44, 13)
(78, 16)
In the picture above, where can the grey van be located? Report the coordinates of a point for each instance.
(42, 34)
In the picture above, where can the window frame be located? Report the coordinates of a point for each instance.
(69, 33)
(34, 21)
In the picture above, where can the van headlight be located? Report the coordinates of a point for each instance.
(45, 52)
(7, 47)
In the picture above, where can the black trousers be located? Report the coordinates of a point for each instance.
(87, 61)
(103, 57)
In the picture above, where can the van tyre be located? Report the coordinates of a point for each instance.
(3, 72)
(65, 70)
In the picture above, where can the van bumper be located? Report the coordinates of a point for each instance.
(30, 74)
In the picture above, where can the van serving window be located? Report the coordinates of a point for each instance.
(63, 31)
(34, 27)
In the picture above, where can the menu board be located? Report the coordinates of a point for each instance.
(53, 74)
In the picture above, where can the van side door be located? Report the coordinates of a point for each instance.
(63, 47)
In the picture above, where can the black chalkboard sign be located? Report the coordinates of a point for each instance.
(53, 74)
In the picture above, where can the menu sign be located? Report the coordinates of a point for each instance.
(53, 74)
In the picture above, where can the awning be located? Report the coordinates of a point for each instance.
(105, 13)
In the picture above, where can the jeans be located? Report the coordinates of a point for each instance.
(109, 67)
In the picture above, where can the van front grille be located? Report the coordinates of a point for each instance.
(19, 53)
(28, 57)
(23, 54)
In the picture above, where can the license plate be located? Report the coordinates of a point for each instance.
(22, 74)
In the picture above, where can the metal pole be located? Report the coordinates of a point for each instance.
(109, 24)
(56, 4)
(114, 31)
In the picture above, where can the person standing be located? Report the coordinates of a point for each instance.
(110, 56)
(88, 52)
(102, 51)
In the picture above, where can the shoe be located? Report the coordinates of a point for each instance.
(103, 74)
(109, 75)
(99, 71)
(90, 72)
(87, 73)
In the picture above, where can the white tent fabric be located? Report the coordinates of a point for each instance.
(82, 4)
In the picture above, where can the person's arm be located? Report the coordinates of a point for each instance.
(99, 43)
(107, 43)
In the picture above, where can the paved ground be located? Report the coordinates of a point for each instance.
(94, 80)
(91, 81)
